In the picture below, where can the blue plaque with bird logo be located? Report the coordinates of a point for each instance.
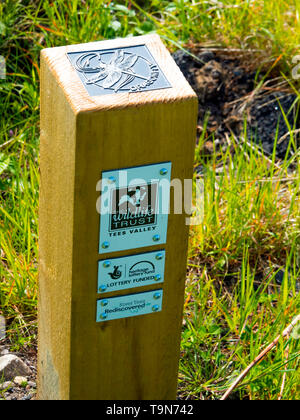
(134, 207)
(127, 69)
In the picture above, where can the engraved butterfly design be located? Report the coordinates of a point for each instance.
(115, 74)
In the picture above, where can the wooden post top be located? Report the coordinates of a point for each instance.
(117, 71)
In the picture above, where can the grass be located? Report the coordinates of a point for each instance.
(235, 305)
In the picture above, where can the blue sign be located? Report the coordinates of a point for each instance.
(131, 271)
(134, 207)
(129, 305)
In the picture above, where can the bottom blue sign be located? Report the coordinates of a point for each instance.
(129, 305)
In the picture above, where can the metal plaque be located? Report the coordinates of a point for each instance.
(128, 69)
(129, 305)
(134, 207)
(131, 271)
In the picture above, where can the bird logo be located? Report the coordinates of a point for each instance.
(133, 197)
(117, 72)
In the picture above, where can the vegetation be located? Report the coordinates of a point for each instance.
(244, 266)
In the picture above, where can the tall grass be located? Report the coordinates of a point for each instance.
(243, 284)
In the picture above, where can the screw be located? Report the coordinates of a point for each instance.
(105, 245)
(103, 316)
(159, 256)
(157, 295)
(106, 264)
(156, 238)
(104, 302)
(155, 308)
(102, 288)
(163, 171)
(157, 277)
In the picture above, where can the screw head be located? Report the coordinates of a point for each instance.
(104, 302)
(106, 264)
(111, 180)
(163, 171)
(159, 256)
(157, 277)
(103, 316)
(105, 245)
(155, 308)
(156, 238)
(157, 295)
(102, 288)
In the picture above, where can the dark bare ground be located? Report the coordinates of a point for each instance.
(231, 91)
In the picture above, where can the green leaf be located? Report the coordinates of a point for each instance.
(124, 9)
(2, 29)
(172, 7)
(147, 27)
(4, 163)
(215, 329)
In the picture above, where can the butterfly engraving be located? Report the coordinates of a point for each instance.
(116, 74)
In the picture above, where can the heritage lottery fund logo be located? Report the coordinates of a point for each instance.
(130, 69)
(139, 269)
(131, 271)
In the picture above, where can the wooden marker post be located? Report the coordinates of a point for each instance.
(111, 286)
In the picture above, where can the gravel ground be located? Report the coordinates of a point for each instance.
(11, 391)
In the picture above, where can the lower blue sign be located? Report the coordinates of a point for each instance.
(129, 305)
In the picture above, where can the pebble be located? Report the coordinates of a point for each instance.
(216, 74)
(27, 397)
(20, 380)
(6, 386)
(206, 56)
(12, 366)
